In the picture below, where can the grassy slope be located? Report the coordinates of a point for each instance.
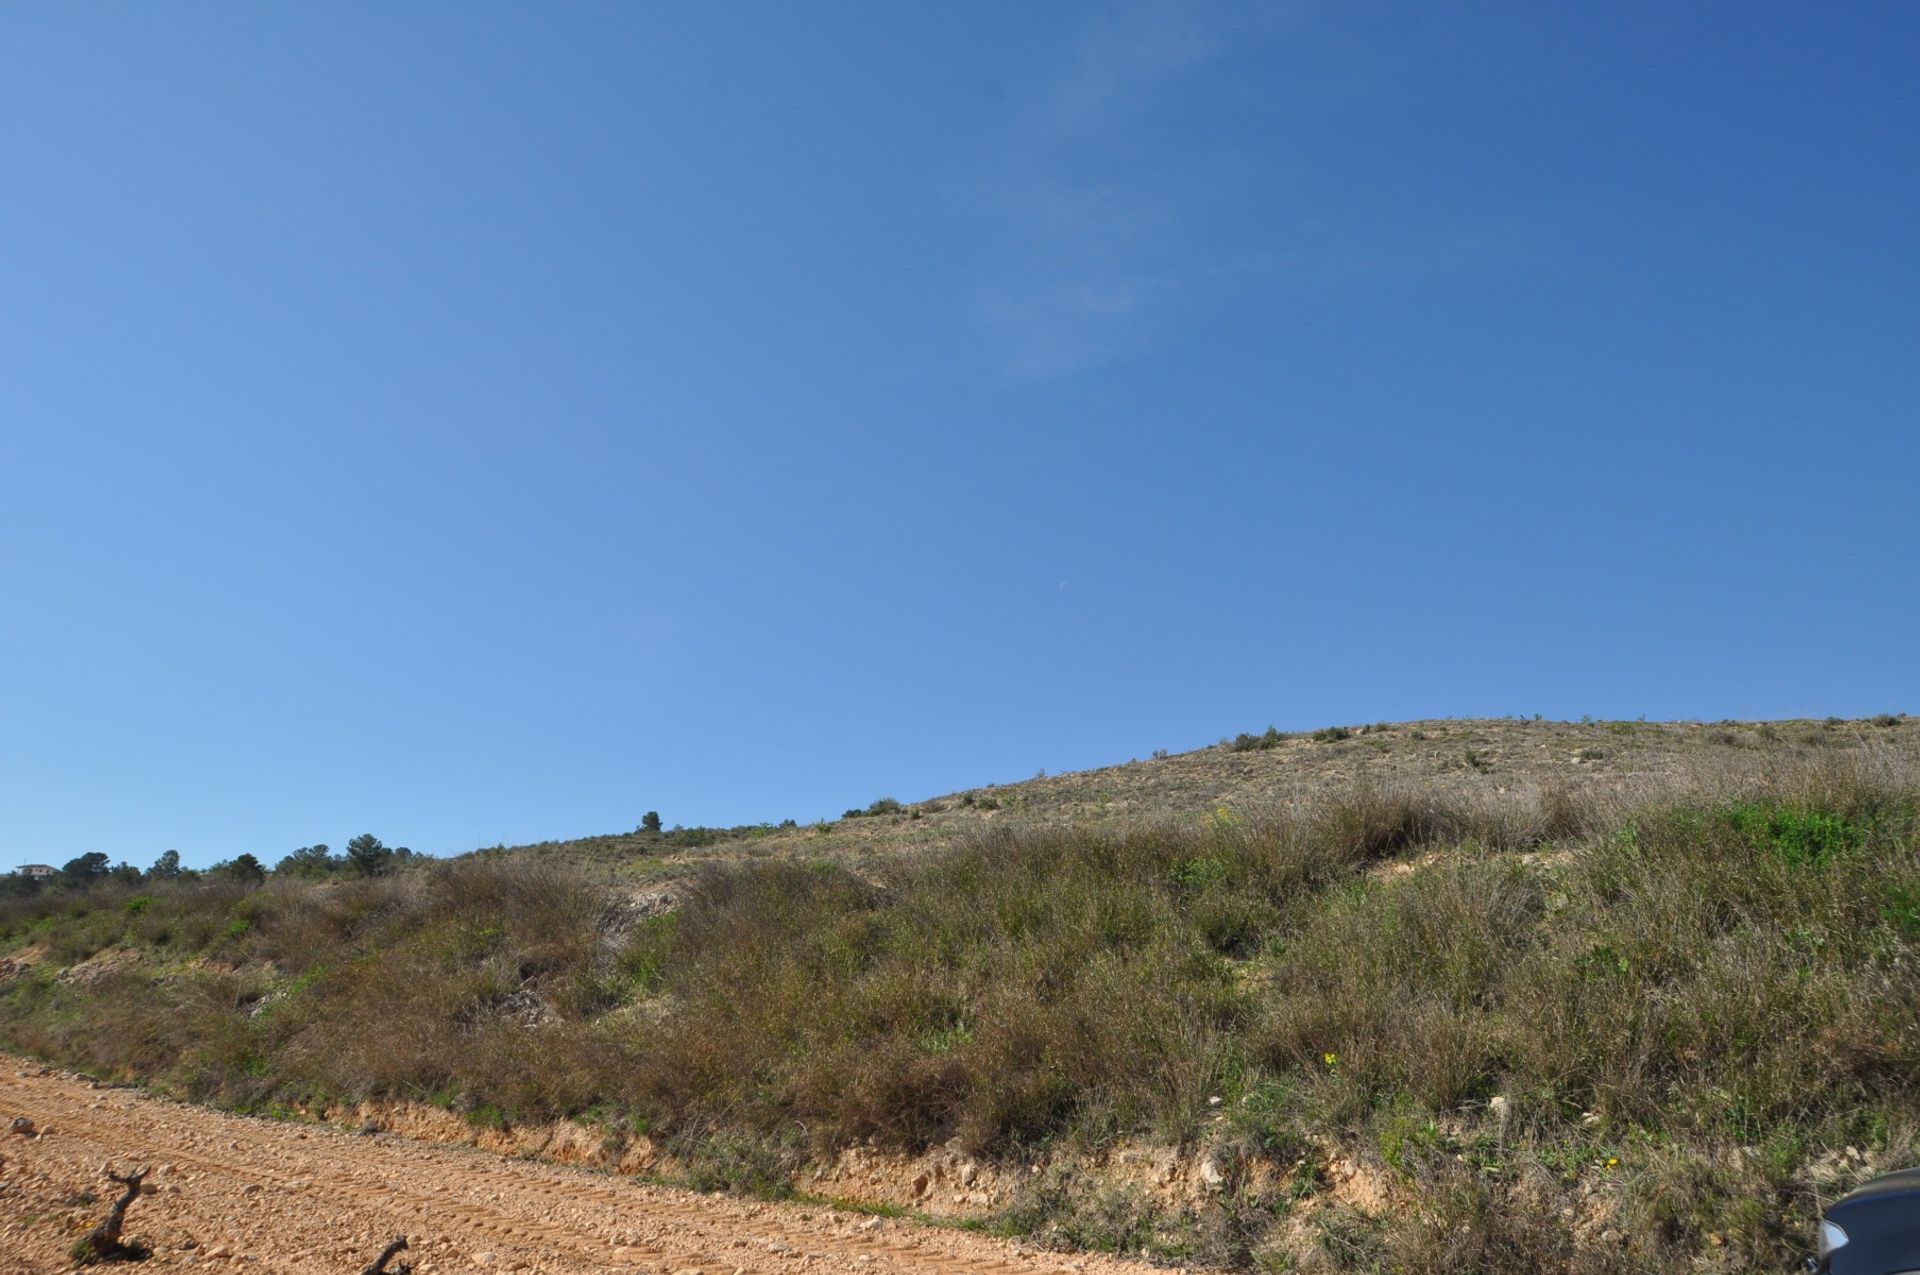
(1583, 997)
(1459, 756)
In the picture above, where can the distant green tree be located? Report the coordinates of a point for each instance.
(311, 862)
(370, 855)
(243, 868)
(86, 869)
(125, 873)
(166, 867)
(650, 822)
(15, 886)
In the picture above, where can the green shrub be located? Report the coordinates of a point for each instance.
(1804, 838)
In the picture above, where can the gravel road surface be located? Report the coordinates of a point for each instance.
(232, 1193)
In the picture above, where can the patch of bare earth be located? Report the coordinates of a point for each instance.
(230, 1193)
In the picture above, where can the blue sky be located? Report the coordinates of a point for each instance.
(479, 423)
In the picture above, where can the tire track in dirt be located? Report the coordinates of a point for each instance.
(306, 1199)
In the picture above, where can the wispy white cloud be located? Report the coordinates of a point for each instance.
(1063, 325)
(1117, 62)
(1091, 239)
(1173, 157)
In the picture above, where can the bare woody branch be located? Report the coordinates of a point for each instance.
(379, 1266)
(102, 1243)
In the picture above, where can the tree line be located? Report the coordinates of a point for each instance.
(365, 856)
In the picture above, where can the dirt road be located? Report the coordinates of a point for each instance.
(239, 1194)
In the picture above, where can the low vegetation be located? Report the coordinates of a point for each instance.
(1557, 1027)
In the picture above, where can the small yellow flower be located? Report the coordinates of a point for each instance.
(1329, 1058)
(1222, 819)
(1613, 1162)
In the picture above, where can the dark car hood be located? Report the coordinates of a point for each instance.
(1905, 1182)
(1882, 1222)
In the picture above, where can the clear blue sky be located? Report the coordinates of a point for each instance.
(478, 423)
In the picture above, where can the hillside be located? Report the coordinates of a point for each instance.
(1263, 772)
(1494, 995)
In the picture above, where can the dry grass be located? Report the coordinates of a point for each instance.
(1607, 766)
